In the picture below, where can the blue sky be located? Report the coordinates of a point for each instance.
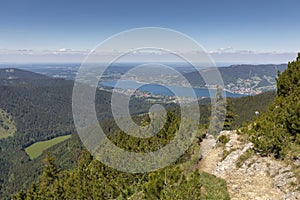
(220, 26)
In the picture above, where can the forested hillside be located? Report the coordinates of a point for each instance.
(245, 107)
(41, 109)
(94, 180)
(250, 79)
(277, 131)
(232, 73)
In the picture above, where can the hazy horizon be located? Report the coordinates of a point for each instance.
(237, 32)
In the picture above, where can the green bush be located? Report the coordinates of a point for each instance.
(223, 139)
(276, 130)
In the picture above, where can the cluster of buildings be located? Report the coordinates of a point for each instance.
(154, 98)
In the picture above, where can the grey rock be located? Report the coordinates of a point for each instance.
(285, 169)
(282, 180)
(297, 162)
(291, 196)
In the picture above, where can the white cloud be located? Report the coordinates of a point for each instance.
(253, 57)
(221, 55)
(224, 49)
(62, 50)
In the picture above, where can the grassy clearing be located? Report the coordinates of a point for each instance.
(7, 125)
(36, 149)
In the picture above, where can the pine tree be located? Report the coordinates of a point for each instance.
(50, 172)
(277, 131)
(230, 116)
(20, 196)
(48, 177)
(32, 193)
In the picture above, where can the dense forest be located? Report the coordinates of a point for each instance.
(41, 109)
(93, 180)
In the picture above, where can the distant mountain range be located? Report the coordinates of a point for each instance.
(41, 109)
(242, 79)
(252, 79)
(12, 75)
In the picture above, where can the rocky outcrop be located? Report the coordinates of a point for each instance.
(256, 178)
(230, 161)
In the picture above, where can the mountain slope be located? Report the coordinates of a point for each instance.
(238, 78)
(41, 108)
(277, 131)
(10, 76)
(36, 103)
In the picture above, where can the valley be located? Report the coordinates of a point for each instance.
(149, 100)
(45, 104)
(238, 79)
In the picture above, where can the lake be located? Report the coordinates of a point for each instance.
(155, 89)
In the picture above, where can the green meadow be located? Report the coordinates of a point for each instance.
(36, 149)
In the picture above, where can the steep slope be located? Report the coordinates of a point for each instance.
(262, 159)
(277, 131)
(245, 107)
(242, 78)
(232, 73)
(92, 179)
(248, 175)
(9, 76)
(41, 108)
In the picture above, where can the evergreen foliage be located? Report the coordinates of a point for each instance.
(230, 116)
(94, 180)
(41, 108)
(277, 131)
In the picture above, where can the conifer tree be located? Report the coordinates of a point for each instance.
(230, 116)
(277, 131)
